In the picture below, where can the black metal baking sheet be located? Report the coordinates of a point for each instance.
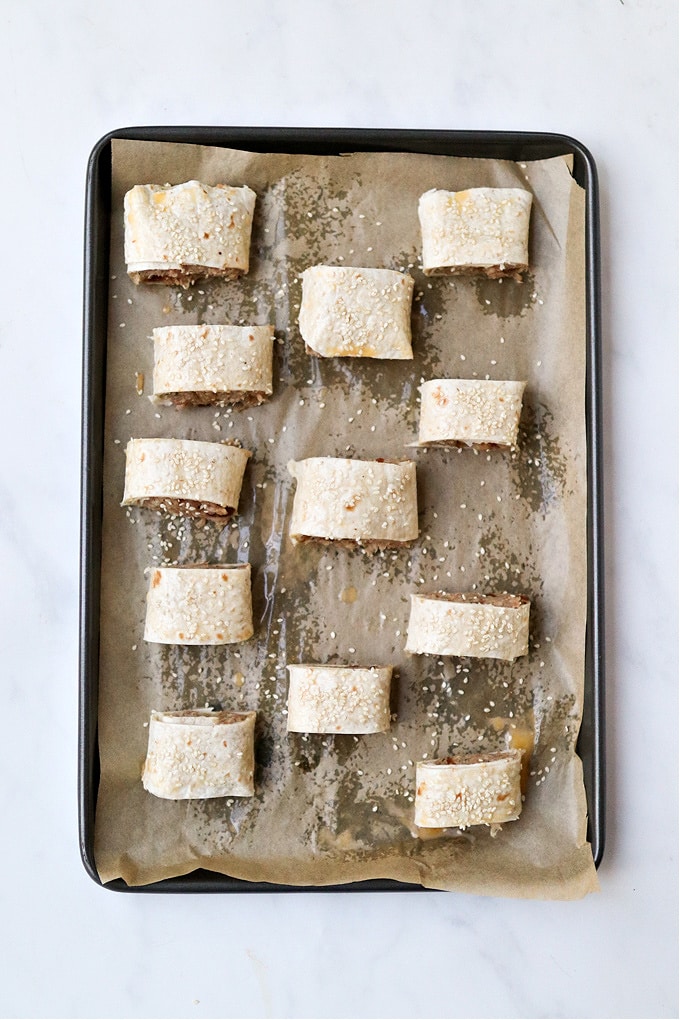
(517, 146)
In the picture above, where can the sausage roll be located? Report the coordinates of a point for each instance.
(177, 235)
(356, 313)
(482, 626)
(339, 699)
(199, 753)
(469, 412)
(482, 231)
(184, 477)
(197, 365)
(368, 502)
(464, 790)
(204, 605)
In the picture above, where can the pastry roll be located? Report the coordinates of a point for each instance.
(482, 626)
(472, 789)
(356, 313)
(368, 502)
(196, 365)
(482, 231)
(184, 477)
(469, 412)
(199, 753)
(205, 605)
(339, 699)
(182, 233)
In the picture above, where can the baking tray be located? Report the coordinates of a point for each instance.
(517, 146)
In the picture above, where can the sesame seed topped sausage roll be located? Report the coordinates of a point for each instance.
(184, 477)
(365, 502)
(204, 605)
(179, 234)
(339, 699)
(481, 231)
(198, 753)
(464, 790)
(356, 313)
(482, 626)
(198, 365)
(469, 412)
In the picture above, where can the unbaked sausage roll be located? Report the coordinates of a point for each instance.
(482, 626)
(368, 502)
(482, 231)
(356, 313)
(198, 365)
(182, 233)
(203, 605)
(469, 412)
(464, 790)
(184, 477)
(339, 699)
(199, 753)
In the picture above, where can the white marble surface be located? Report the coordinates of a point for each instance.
(603, 71)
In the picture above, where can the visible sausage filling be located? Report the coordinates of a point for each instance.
(183, 277)
(370, 545)
(187, 508)
(203, 398)
(507, 270)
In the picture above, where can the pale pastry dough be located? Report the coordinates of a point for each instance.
(482, 626)
(347, 312)
(339, 699)
(184, 476)
(202, 605)
(464, 790)
(192, 230)
(199, 753)
(196, 365)
(371, 503)
(469, 412)
(479, 231)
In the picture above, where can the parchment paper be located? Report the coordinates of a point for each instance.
(334, 809)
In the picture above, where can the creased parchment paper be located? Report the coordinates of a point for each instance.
(334, 809)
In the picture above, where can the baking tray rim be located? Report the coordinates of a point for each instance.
(515, 145)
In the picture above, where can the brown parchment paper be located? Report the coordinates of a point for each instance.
(334, 809)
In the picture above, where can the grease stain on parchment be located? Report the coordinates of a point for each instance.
(505, 297)
(540, 464)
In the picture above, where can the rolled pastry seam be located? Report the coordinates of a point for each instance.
(464, 790)
(202, 605)
(348, 312)
(176, 235)
(199, 753)
(339, 699)
(198, 365)
(482, 626)
(482, 231)
(184, 477)
(469, 412)
(366, 502)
